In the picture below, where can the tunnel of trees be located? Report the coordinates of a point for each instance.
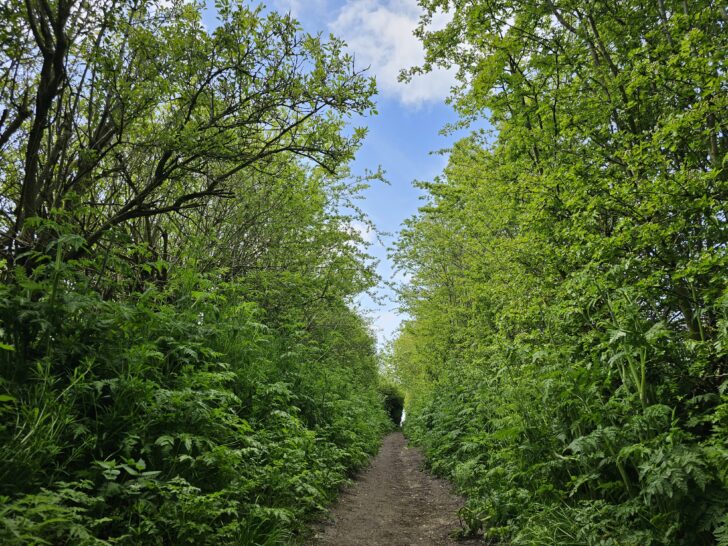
(181, 361)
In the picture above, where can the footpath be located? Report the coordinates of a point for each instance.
(394, 503)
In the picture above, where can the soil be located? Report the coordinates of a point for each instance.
(394, 503)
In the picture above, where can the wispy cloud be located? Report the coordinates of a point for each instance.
(379, 33)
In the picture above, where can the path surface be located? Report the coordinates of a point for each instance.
(394, 503)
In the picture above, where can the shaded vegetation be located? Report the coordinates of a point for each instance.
(393, 401)
(565, 363)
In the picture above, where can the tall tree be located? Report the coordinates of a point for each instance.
(575, 294)
(133, 110)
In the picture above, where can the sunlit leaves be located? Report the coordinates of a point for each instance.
(566, 351)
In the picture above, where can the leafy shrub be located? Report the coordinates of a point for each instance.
(565, 360)
(169, 418)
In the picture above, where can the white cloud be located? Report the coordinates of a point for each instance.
(379, 33)
(386, 324)
(364, 231)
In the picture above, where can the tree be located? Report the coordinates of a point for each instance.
(133, 110)
(569, 274)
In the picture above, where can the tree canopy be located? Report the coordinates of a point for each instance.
(565, 361)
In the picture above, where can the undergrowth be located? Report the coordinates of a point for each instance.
(173, 416)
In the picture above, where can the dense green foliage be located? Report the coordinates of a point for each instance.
(179, 358)
(177, 416)
(566, 361)
(393, 398)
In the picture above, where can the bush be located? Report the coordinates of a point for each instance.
(171, 417)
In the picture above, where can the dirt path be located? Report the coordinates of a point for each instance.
(394, 503)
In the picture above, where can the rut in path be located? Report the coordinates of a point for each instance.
(394, 503)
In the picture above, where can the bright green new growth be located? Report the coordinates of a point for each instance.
(179, 358)
(566, 359)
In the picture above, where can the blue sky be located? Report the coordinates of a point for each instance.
(403, 136)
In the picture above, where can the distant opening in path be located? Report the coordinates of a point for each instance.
(393, 402)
